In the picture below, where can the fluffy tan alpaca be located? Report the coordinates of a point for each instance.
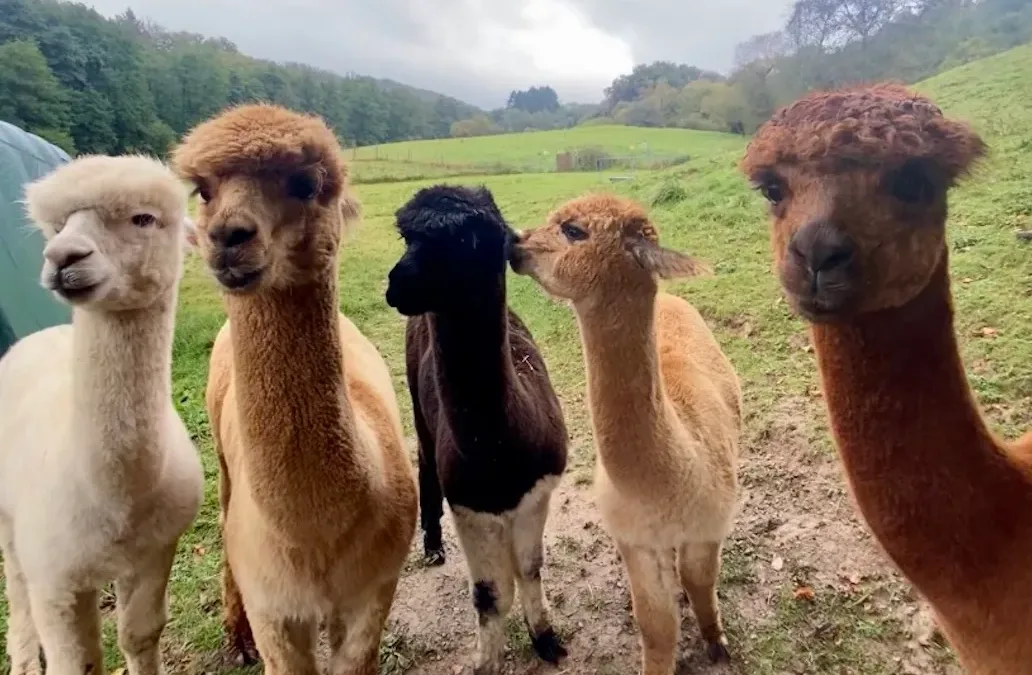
(318, 496)
(665, 408)
(98, 476)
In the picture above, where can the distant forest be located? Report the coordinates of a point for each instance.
(824, 43)
(96, 85)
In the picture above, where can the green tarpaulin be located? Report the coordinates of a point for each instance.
(25, 306)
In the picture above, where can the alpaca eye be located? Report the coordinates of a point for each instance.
(772, 191)
(301, 186)
(572, 232)
(143, 220)
(203, 193)
(911, 185)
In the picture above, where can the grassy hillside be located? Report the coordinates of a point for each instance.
(530, 152)
(804, 589)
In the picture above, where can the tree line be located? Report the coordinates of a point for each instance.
(823, 44)
(95, 85)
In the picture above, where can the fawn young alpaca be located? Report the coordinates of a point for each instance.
(318, 496)
(857, 181)
(490, 428)
(98, 476)
(665, 409)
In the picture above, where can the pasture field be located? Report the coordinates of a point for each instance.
(530, 152)
(804, 589)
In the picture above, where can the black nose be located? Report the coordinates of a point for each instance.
(822, 248)
(229, 236)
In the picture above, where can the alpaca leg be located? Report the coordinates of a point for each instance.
(69, 628)
(22, 640)
(654, 607)
(234, 619)
(355, 637)
(431, 500)
(528, 551)
(142, 606)
(286, 646)
(485, 541)
(700, 569)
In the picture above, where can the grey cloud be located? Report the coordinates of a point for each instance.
(454, 46)
(702, 33)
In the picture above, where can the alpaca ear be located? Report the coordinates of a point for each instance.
(350, 209)
(189, 234)
(664, 262)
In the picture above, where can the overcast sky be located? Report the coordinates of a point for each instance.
(476, 50)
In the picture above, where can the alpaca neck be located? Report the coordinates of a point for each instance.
(472, 351)
(625, 391)
(925, 470)
(292, 401)
(122, 386)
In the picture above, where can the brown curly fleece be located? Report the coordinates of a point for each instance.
(881, 125)
(948, 501)
(264, 139)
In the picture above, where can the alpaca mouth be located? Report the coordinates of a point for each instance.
(517, 260)
(818, 309)
(236, 280)
(76, 293)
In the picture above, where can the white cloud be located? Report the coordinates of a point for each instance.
(476, 50)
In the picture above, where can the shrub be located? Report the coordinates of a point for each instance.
(669, 192)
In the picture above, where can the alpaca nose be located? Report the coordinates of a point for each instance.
(63, 254)
(232, 234)
(822, 248)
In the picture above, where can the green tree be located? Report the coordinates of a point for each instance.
(480, 125)
(30, 95)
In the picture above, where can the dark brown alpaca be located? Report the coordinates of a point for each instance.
(858, 180)
(490, 428)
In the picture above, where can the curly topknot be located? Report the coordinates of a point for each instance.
(115, 187)
(608, 211)
(263, 139)
(445, 207)
(880, 125)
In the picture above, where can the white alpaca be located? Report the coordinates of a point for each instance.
(98, 476)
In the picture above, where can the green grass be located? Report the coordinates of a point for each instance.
(530, 152)
(703, 207)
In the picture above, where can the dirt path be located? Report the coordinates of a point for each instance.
(804, 589)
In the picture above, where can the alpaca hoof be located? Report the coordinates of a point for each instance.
(434, 557)
(718, 652)
(243, 652)
(548, 647)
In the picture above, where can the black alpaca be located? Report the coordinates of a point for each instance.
(490, 428)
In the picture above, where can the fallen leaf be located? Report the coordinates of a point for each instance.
(966, 280)
(198, 551)
(778, 562)
(855, 578)
(804, 593)
(989, 331)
